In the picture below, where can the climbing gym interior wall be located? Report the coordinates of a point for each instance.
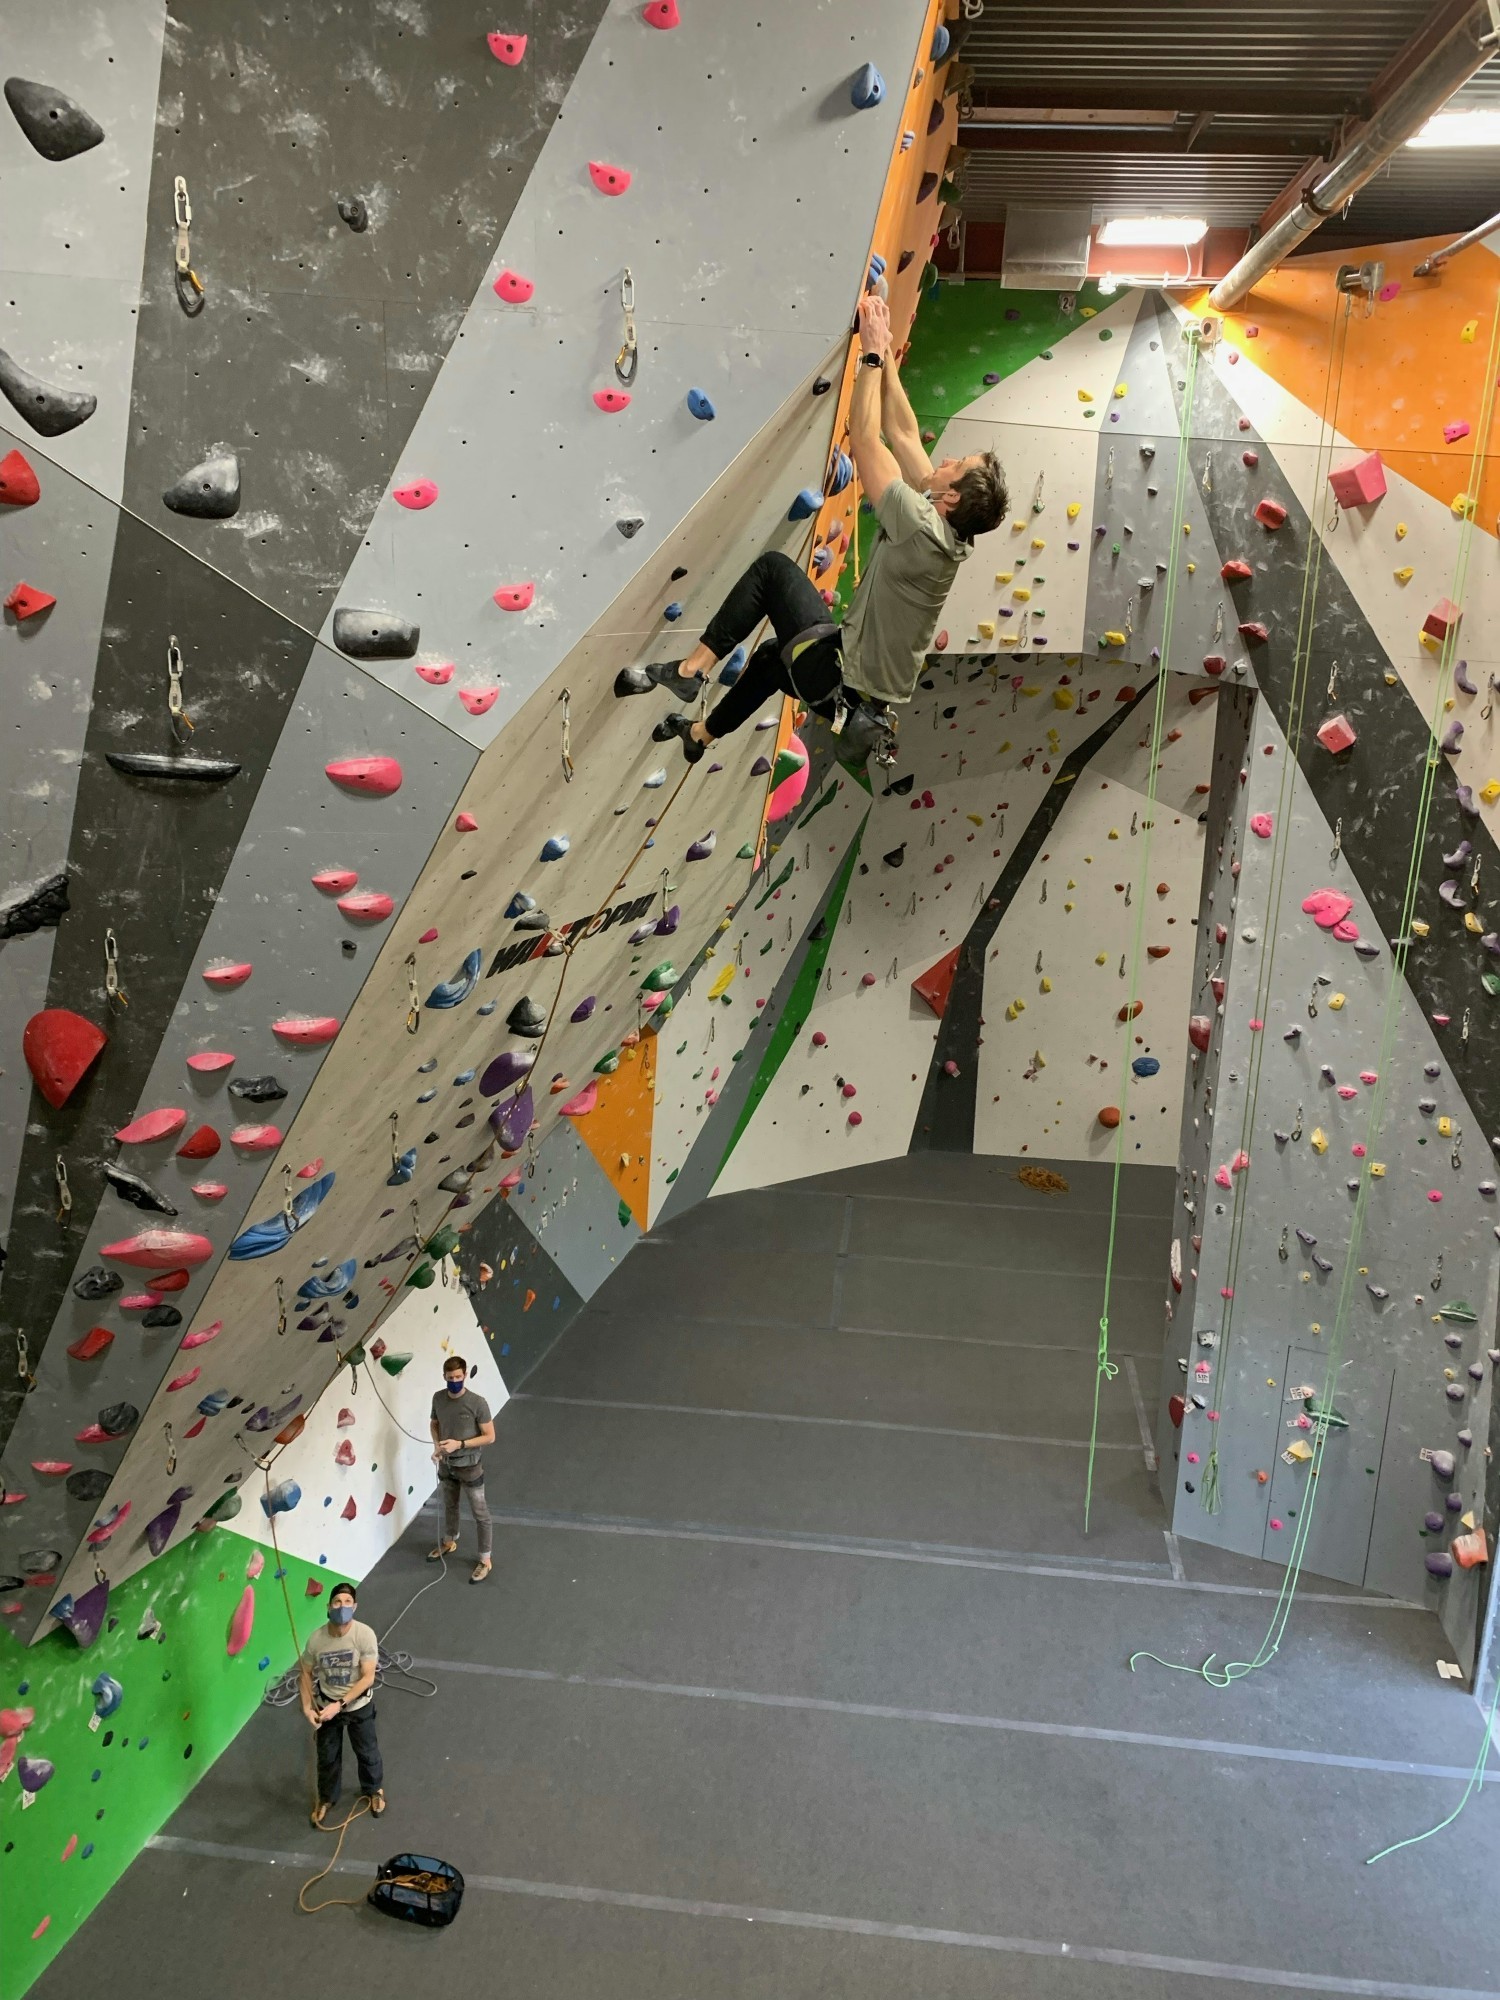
(368, 408)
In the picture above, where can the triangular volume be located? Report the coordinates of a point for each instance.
(936, 983)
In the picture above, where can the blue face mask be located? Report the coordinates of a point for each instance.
(340, 1614)
(456, 1388)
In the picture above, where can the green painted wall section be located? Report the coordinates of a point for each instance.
(184, 1701)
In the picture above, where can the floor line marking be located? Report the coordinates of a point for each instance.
(1174, 1555)
(959, 1719)
(595, 1310)
(1148, 1443)
(1059, 1566)
(787, 1417)
(625, 1899)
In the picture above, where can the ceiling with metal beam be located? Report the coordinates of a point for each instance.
(1177, 106)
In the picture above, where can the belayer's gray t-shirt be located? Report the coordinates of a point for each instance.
(901, 595)
(337, 1660)
(460, 1417)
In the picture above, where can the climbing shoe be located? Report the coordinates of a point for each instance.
(681, 727)
(664, 674)
(632, 680)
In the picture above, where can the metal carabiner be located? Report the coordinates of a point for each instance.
(628, 358)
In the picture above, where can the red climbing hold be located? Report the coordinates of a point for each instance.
(515, 596)
(256, 1138)
(419, 494)
(1254, 634)
(1214, 663)
(661, 14)
(940, 643)
(436, 673)
(59, 1046)
(226, 974)
(508, 49)
(1237, 571)
(386, 1504)
(608, 179)
(92, 1343)
(369, 906)
(159, 1249)
(152, 1125)
(1439, 622)
(479, 701)
(350, 1510)
(1270, 513)
(936, 983)
(26, 601)
(208, 1060)
(513, 288)
(466, 823)
(611, 401)
(378, 775)
(334, 881)
(1200, 1031)
(305, 1031)
(1358, 484)
(19, 485)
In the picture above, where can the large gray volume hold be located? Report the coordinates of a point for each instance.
(49, 410)
(210, 491)
(55, 125)
(374, 635)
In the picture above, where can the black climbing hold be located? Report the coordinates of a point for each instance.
(896, 856)
(161, 1316)
(348, 947)
(630, 524)
(55, 125)
(209, 491)
(40, 1562)
(176, 770)
(822, 386)
(49, 410)
(533, 920)
(899, 787)
(678, 575)
(526, 1018)
(458, 1181)
(352, 209)
(90, 1486)
(117, 1419)
(137, 1191)
(97, 1283)
(37, 909)
(374, 635)
(257, 1089)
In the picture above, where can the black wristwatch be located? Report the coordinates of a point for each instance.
(872, 360)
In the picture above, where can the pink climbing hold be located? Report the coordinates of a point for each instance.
(508, 49)
(210, 1190)
(312, 1169)
(1221, 1177)
(580, 1106)
(466, 823)
(1270, 513)
(380, 776)
(419, 494)
(513, 288)
(305, 1031)
(479, 701)
(1337, 733)
(429, 936)
(225, 974)
(202, 1335)
(256, 1138)
(867, 979)
(436, 673)
(1359, 484)
(206, 1061)
(1443, 617)
(1261, 825)
(608, 179)
(848, 1090)
(344, 1454)
(184, 1381)
(1327, 907)
(1388, 292)
(152, 1125)
(1434, 1194)
(242, 1624)
(334, 881)
(1276, 1521)
(1256, 1024)
(611, 401)
(159, 1249)
(1346, 932)
(1453, 432)
(367, 906)
(1357, 1149)
(856, 1118)
(940, 643)
(515, 596)
(661, 14)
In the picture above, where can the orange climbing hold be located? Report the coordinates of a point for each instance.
(1109, 1116)
(528, 1302)
(936, 983)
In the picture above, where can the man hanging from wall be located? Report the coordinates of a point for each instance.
(461, 1427)
(858, 673)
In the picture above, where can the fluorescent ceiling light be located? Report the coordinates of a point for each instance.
(1459, 128)
(1154, 229)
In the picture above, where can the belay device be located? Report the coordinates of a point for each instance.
(419, 1889)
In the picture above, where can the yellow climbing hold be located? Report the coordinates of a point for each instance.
(1063, 698)
(722, 984)
(1390, 678)
(1461, 507)
(1003, 576)
(1037, 542)
(1468, 330)
(1008, 639)
(1336, 1000)
(1119, 388)
(1085, 395)
(1101, 958)
(1319, 1139)
(1490, 792)
(1031, 692)
(1114, 833)
(1015, 1008)
(1192, 569)
(1445, 1127)
(1377, 1169)
(1316, 1326)
(1021, 594)
(1087, 312)
(1472, 923)
(1114, 638)
(1420, 927)
(1046, 986)
(1404, 575)
(975, 819)
(986, 628)
(1067, 909)
(1074, 510)
(1400, 531)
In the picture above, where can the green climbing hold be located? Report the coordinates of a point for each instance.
(660, 977)
(442, 1243)
(224, 1508)
(394, 1363)
(607, 1065)
(1459, 1311)
(420, 1278)
(1106, 333)
(1046, 354)
(1326, 1414)
(746, 853)
(675, 1171)
(624, 1214)
(787, 761)
(1490, 981)
(668, 1003)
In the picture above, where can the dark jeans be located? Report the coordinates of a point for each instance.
(361, 1728)
(773, 587)
(453, 1482)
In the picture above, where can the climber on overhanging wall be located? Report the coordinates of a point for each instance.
(854, 674)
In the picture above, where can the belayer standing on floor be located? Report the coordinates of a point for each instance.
(854, 674)
(461, 1427)
(339, 1663)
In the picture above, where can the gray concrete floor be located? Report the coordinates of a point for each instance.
(797, 1678)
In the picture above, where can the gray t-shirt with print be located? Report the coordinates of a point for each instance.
(460, 1417)
(338, 1658)
(901, 595)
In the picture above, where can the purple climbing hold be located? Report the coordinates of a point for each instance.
(761, 767)
(1461, 678)
(84, 1616)
(1439, 1563)
(1443, 1464)
(584, 1009)
(701, 849)
(1453, 737)
(506, 1070)
(1459, 855)
(512, 1119)
(1452, 893)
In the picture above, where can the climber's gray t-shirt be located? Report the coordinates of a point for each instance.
(901, 595)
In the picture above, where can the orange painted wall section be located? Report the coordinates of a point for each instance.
(1408, 370)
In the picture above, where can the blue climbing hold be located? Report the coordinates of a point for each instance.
(672, 612)
(214, 1403)
(519, 904)
(401, 1172)
(464, 1076)
(453, 992)
(840, 470)
(555, 847)
(1145, 1066)
(107, 1693)
(867, 88)
(807, 503)
(700, 406)
(282, 1498)
(339, 1279)
(942, 41)
(733, 667)
(876, 271)
(261, 1238)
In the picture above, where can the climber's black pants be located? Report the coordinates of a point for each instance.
(772, 587)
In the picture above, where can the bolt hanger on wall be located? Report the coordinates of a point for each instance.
(190, 294)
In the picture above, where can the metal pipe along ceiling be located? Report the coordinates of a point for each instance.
(1448, 65)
